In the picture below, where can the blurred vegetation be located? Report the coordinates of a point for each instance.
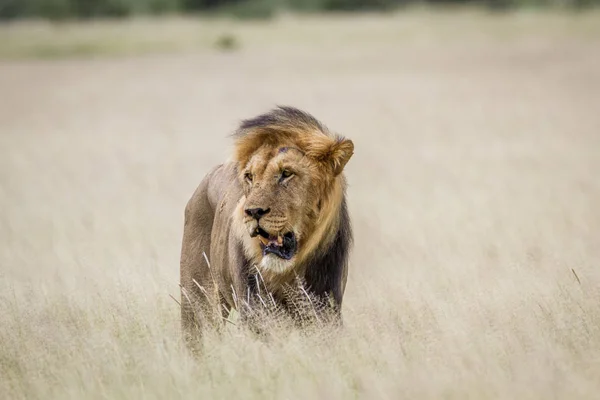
(82, 9)
(227, 42)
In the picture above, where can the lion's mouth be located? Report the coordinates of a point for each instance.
(283, 246)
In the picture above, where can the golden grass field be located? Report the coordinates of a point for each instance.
(474, 192)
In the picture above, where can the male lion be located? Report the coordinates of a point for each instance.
(274, 216)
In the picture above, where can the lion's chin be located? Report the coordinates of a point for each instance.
(273, 263)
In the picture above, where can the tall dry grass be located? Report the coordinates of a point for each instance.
(474, 194)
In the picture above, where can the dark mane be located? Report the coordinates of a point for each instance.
(324, 273)
(282, 118)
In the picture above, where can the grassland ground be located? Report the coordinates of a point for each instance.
(474, 194)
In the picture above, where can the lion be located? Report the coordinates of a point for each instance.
(274, 215)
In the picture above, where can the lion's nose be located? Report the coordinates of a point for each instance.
(257, 213)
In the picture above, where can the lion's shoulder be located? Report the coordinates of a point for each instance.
(218, 184)
(223, 183)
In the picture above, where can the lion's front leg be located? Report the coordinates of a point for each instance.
(199, 291)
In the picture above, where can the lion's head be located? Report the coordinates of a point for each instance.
(290, 168)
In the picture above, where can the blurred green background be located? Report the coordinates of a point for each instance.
(82, 9)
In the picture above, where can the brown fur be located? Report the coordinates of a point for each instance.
(286, 162)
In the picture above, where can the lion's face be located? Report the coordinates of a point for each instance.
(282, 190)
(290, 167)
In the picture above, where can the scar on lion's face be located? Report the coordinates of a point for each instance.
(285, 149)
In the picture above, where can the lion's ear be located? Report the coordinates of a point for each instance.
(335, 153)
(340, 154)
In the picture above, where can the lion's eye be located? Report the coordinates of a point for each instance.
(248, 176)
(286, 174)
